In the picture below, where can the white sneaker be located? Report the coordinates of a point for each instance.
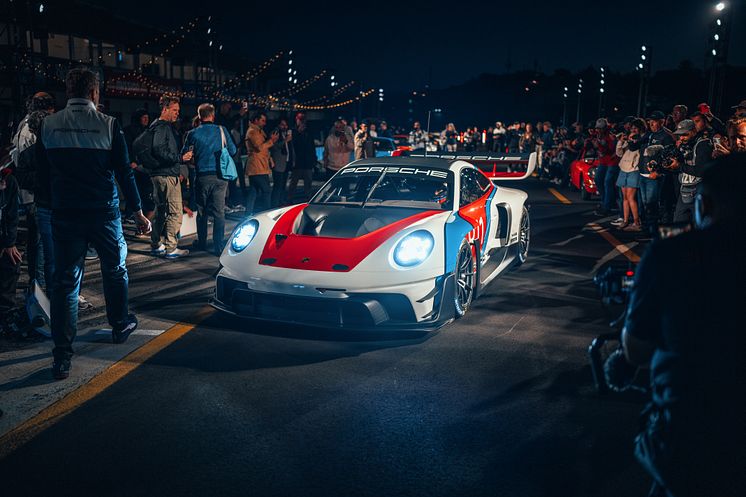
(83, 304)
(158, 251)
(618, 222)
(176, 253)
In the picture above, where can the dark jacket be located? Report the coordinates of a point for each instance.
(9, 212)
(33, 178)
(83, 151)
(165, 150)
(305, 150)
(660, 137)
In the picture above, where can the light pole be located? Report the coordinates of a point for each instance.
(291, 72)
(643, 67)
(564, 107)
(580, 94)
(601, 92)
(718, 54)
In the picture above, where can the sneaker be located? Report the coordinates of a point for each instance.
(177, 253)
(157, 252)
(61, 369)
(633, 227)
(83, 304)
(619, 222)
(91, 254)
(120, 335)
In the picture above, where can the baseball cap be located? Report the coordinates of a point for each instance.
(601, 123)
(656, 114)
(628, 120)
(684, 127)
(740, 105)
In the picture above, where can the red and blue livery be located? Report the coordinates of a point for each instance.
(393, 242)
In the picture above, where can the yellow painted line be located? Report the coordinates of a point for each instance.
(621, 248)
(53, 413)
(559, 196)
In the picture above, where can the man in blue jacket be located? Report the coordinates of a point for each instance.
(84, 151)
(203, 145)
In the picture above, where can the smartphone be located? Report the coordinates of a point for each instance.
(244, 105)
(290, 133)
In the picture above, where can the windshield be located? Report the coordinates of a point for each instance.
(417, 188)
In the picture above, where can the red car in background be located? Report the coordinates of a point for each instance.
(583, 176)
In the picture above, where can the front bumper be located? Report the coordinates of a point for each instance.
(350, 311)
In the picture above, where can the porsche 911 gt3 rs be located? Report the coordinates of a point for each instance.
(398, 242)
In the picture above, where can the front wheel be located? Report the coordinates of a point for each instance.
(524, 237)
(466, 277)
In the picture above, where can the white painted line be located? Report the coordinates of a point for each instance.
(147, 333)
(613, 254)
(562, 244)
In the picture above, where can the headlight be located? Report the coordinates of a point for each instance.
(592, 173)
(244, 234)
(413, 249)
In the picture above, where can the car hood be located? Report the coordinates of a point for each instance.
(333, 237)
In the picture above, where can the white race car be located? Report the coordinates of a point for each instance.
(395, 242)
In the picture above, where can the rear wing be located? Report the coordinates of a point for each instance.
(496, 167)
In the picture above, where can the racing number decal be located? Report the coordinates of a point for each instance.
(476, 214)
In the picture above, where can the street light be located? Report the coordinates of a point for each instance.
(601, 91)
(646, 56)
(719, 40)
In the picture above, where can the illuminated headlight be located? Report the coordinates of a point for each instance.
(413, 249)
(244, 234)
(592, 173)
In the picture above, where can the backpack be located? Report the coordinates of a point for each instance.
(142, 148)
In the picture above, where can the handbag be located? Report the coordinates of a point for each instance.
(226, 167)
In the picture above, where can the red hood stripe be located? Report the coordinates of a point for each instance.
(318, 253)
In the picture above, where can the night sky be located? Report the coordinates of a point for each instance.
(404, 45)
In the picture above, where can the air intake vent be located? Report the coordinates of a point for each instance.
(269, 260)
(340, 267)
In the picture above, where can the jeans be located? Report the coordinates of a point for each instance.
(34, 248)
(237, 190)
(259, 193)
(71, 236)
(210, 191)
(606, 183)
(684, 212)
(9, 274)
(307, 176)
(279, 186)
(168, 211)
(650, 194)
(44, 222)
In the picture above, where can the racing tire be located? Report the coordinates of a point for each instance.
(584, 194)
(466, 277)
(524, 237)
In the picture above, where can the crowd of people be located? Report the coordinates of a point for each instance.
(646, 169)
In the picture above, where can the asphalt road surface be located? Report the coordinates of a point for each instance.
(499, 403)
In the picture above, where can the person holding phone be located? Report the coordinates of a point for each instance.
(258, 163)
